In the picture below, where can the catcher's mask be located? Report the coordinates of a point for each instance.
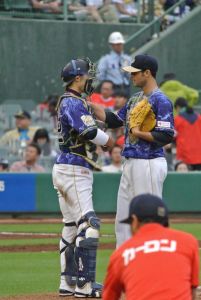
(80, 67)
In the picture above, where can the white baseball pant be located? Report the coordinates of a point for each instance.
(139, 176)
(74, 186)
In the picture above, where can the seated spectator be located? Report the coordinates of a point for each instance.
(4, 165)
(42, 107)
(169, 156)
(103, 157)
(42, 139)
(116, 161)
(52, 104)
(121, 141)
(174, 89)
(179, 11)
(101, 11)
(125, 8)
(181, 167)
(180, 105)
(47, 6)
(105, 97)
(29, 164)
(80, 11)
(22, 134)
(120, 99)
(188, 135)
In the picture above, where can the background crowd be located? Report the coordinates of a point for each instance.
(109, 11)
(113, 11)
(28, 140)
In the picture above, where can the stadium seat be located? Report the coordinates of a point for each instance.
(9, 110)
(25, 104)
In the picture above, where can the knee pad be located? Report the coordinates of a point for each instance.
(67, 255)
(88, 231)
(86, 248)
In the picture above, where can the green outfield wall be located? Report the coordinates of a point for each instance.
(35, 193)
(33, 52)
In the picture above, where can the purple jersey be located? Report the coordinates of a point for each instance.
(74, 121)
(163, 110)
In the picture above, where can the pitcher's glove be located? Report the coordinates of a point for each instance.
(142, 116)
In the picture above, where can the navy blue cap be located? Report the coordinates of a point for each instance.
(142, 62)
(23, 114)
(147, 206)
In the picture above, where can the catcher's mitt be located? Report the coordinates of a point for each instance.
(142, 116)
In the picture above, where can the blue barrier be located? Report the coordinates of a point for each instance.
(17, 192)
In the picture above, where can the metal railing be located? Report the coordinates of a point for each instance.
(145, 33)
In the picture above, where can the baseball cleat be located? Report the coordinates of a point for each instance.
(96, 292)
(65, 293)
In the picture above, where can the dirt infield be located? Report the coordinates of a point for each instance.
(196, 218)
(38, 297)
(56, 297)
(44, 248)
(39, 248)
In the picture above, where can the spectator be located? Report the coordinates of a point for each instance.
(110, 65)
(179, 10)
(23, 132)
(188, 135)
(47, 6)
(175, 89)
(180, 105)
(105, 97)
(125, 8)
(29, 164)
(53, 99)
(43, 105)
(156, 262)
(80, 11)
(121, 141)
(4, 165)
(120, 99)
(103, 158)
(42, 138)
(181, 167)
(116, 161)
(169, 155)
(101, 10)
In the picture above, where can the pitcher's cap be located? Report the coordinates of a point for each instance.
(142, 62)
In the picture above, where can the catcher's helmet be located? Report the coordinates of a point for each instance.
(77, 67)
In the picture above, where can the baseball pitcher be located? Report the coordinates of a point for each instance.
(149, 125)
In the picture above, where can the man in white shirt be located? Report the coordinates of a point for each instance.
(110, 65)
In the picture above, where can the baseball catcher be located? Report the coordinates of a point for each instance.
(73, 178)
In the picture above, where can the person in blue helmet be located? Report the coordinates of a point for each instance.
(78, 136)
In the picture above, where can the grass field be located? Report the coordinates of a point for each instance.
(38, 272)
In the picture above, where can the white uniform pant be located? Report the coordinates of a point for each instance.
(139, 176)
(74, 187)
